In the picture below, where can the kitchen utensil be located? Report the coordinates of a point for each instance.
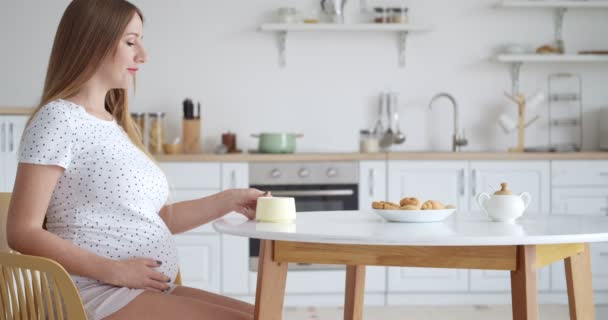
(388, 137)
(229, 140)
(503, 205)
(399, 136)
(565, 111)
(191, 131)
(277, 142)
(414, 215)
(335, 9)
(378, 127)
(604, 128)
(173, 148)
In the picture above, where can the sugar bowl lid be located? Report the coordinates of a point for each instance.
(503, 190)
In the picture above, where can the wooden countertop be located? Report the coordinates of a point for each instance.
(16, 111)
(429, 156)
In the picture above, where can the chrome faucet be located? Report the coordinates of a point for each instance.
(458, 141)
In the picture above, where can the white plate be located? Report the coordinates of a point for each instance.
(414, 215)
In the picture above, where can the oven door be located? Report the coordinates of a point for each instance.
(309, 198)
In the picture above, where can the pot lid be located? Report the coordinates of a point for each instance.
(503, 190)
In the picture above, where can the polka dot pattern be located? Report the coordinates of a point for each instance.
(109, 196)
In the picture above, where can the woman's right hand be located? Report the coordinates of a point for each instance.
(138, 273)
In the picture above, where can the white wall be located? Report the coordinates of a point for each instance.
(210, 50)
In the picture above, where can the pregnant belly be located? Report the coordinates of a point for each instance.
(158, 245)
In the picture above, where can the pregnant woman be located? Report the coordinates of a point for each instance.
(83, 169)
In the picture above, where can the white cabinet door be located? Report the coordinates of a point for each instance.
(11, 129)
(372, 183)
(199, 261)
(235, 250)
(580, 201)
(444, 181)
(529, 176)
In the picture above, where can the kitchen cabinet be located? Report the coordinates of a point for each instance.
(11, 129)
(457, 183)
(200, 250)
(372, 183)
(529, 176)
(235, 250)
(444, 181)
(581, 188)
(199, 257)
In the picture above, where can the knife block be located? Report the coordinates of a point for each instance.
(191, 129)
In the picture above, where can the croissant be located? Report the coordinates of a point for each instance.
(412, 201)
(432, 205)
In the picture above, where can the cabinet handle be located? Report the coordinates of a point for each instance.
(603, 254)
(3, 137)
(461, 182)
(603, 174)
(10, 138)
(474, 182)
(605, 209)
(233, 179)
(371, 183)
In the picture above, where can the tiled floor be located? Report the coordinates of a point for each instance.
(502, 312)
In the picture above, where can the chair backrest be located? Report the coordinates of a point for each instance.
(36, 288)
(5, 199)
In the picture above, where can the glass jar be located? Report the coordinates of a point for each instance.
(380, 15)
(368, 142)
(156, 132)
(398, 15)
(287, 15)
(139, 119)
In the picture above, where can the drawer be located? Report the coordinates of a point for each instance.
(579, 173)
(580, 201)
(186, 175)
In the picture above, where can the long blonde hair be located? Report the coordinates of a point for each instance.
(88, 33)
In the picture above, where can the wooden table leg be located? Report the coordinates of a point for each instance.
(355, 285)
(580, 289)
(524, 294)
(270, 290)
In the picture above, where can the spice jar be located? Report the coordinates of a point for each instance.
(380, 15)
(398, 15)
(156, 132)
(287, 15)
(139, 119)
(368, 142)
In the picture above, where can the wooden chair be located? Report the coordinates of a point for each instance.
(34, 287)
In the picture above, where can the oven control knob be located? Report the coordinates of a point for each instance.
(303, 173)
(332, 172)
(275, 173)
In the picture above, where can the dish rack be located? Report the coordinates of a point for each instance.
(565, 112)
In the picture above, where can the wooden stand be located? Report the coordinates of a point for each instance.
(192, 135)
(521, 121)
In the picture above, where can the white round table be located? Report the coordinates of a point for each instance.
(360, 238)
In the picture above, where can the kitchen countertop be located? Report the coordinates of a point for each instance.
(430, 156)
(15, 111)
(355, 156)
(366, 228)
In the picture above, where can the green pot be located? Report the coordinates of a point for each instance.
(277, 142)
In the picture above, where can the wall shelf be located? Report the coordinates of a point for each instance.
(595, 4)
(560, 8)
(517, 60)
(282, 30)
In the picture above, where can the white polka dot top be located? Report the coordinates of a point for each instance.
(109, 196)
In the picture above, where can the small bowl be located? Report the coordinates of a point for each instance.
(173, 148)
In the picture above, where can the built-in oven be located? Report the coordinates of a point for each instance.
(315, 186)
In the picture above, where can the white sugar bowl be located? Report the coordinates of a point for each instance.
(503, 205)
